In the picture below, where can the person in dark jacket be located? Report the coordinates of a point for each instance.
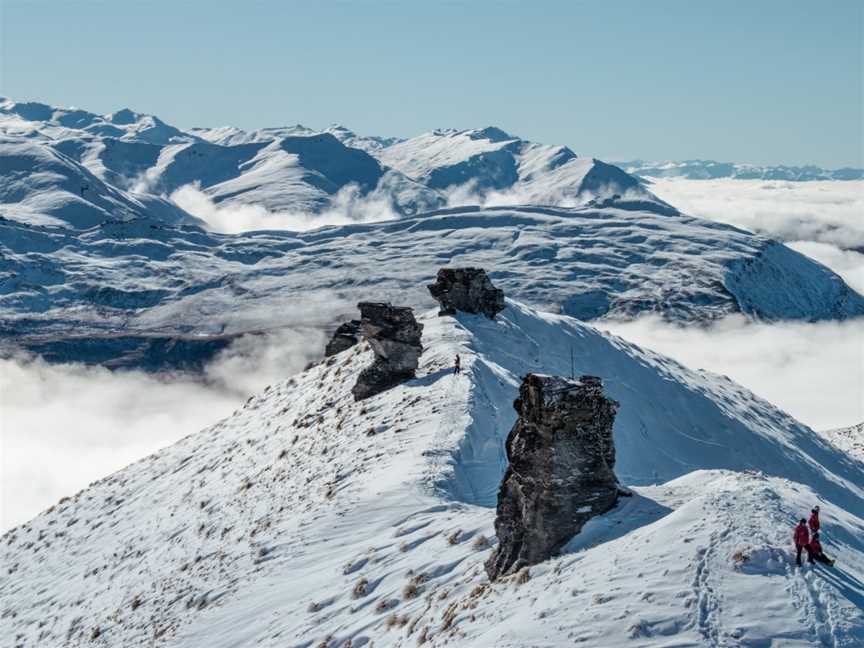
(457, 365)
(816, 551)
(802, 540)
(813, 522)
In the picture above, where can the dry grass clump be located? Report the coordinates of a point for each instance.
(361, 588)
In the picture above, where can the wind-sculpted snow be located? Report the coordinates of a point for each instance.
(306, 519)
(143, 278)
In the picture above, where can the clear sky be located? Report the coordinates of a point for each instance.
(758, 81)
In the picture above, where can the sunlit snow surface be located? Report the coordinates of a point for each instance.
(257, 530)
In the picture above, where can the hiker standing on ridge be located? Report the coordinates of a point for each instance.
(802, 540)
(457, 365)
(813, 522)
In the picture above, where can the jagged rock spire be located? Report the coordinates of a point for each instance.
(561, 456)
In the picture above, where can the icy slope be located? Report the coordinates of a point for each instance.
(307, 519)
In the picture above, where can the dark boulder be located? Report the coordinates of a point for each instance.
(345, 337)
(394, 336)
(468, 290)
(561, 456)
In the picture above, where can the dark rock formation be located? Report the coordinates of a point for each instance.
(346, 336)
(394, 336)
(468, 290)
(561, 457)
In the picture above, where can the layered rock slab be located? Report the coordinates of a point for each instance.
(394, 335)
(466, 289)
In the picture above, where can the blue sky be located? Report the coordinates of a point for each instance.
(752, 81)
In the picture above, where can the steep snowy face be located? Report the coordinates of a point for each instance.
(43, 187)
(490, 165)
(709, 169)
(591, 262)
(308, 519)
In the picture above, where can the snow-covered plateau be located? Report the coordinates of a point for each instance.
(308, 519)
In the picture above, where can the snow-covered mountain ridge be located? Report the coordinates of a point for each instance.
(307, 519)
(299, 169)
(144, 279)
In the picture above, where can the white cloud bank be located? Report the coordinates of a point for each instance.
(64, 426)
(348, 206)
(827, 212)
(815, 372)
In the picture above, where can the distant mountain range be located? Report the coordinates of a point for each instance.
(710, 170)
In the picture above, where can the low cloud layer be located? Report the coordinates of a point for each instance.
(64, 426)
(823, 212)
(347, 207)
(815, 372)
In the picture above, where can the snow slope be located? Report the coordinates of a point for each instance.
(140, 278)
(41, 186)
(490, 164)
(306, 519)
(849, 439)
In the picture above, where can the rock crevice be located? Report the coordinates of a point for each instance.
(466, 289)
(394, 335)
(560, 474)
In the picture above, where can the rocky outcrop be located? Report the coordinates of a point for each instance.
(468, 290)
(345, 337)
(394, 336)
(561, 456)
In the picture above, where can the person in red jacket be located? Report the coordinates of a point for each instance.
(816, 551)
(802, 540)
(813, 522)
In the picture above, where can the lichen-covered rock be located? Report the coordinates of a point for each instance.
(561, 456)
(394, 336)
(345, 337)
(468, 290)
